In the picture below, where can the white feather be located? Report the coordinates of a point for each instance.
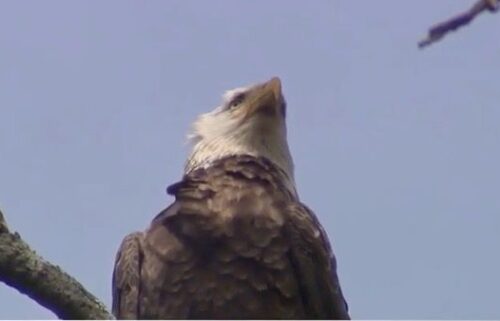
(218, 134)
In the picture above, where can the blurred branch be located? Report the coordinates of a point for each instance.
(22, 269)
(439, 30)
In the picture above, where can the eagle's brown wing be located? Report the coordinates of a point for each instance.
(315, 265)
(126, 278)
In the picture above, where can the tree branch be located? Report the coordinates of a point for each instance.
(439, 30)
(22, 269)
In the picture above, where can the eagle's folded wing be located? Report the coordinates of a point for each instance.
(315, 265)
(127, 278)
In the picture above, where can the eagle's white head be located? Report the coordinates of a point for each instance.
(250, 121)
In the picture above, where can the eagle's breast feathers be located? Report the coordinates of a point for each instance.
(234, 243)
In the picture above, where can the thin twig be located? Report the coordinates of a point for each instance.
(439, 30)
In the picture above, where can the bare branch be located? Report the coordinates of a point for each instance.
(441, 29)
(47, 284)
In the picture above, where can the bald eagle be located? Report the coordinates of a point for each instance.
(236, 243)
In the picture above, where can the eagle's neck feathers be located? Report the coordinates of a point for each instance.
(216, 136)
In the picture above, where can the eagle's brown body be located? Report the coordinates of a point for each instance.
(235, 244)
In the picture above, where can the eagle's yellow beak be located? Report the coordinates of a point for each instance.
(266, 98)
(274, 86)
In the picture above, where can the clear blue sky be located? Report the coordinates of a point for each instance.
(397, 150)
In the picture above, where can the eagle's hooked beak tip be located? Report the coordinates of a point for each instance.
(267, 97)
(274, 86)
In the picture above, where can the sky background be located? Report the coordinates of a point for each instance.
(396, 149)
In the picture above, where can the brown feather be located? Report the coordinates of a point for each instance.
(235, 244)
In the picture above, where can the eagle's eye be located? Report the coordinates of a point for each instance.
(236, 101)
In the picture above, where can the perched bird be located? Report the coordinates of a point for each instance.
(236, 243)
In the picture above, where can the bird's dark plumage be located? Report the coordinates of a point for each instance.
(235, 244)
